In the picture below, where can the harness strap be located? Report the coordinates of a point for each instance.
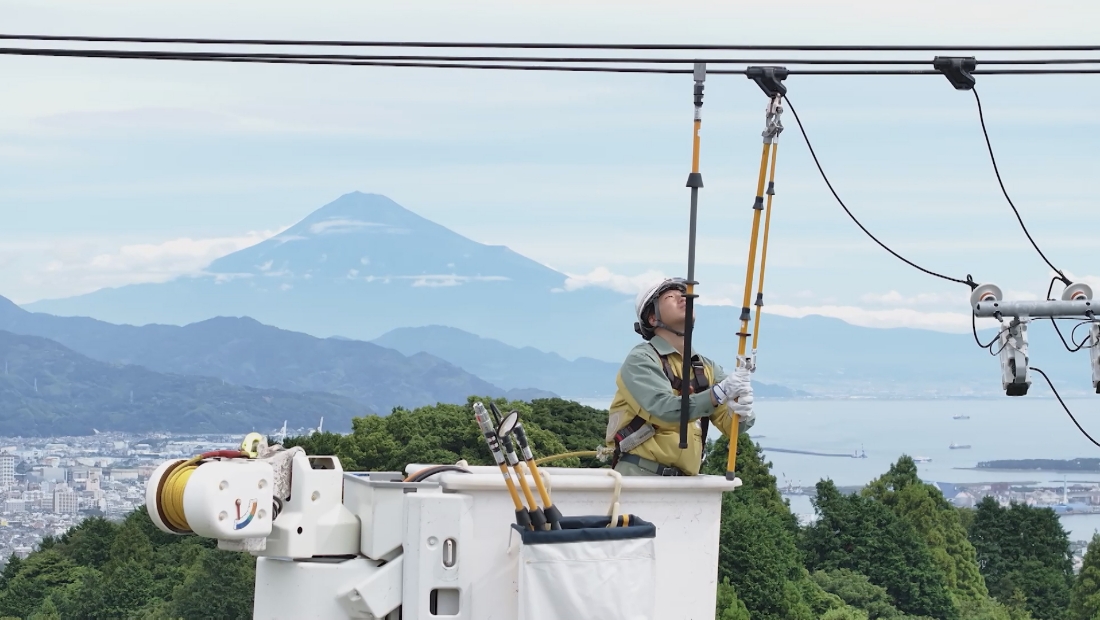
(698, 383)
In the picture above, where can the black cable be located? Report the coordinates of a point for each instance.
(1073, 339)
(1077, 346)
(309, 60)
(348, 60)
(600, 59)
(989, 346)
(1056, 395)
(969, 281)
(996, 170)
(601, 46)
(585, 59)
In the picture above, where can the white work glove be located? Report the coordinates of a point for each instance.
(743, 405)
(736, 384)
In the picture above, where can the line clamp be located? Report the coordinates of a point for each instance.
(769, 79)
(957, 70)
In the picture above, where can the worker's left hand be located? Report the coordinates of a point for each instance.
(742, 382)
(743, 408)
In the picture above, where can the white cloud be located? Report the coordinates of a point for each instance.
(602, 277)
(894, 298)
(896, 317)
(77, 266)
(447, 279)
(1092, 281)
(341, 225)
(173, 257)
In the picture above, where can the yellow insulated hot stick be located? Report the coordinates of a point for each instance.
(538, 517)
(511, 425)
(769, 79)
(764, 254)
(485, 423)
(743, 335)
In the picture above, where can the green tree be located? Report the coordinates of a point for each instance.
(757, 553)
(863, 535)
(846, 613)
(130, 544)
(1085, 600)
(127, 589)
(40, 574)
(11, 569)
(220, 585)
(857, 591)
(1024, 548)
(728, 606)
(442, 433)
(577, 427)
(46, 611)
(937, 521)
(89, 543)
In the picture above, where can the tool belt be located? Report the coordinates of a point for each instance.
(652, 466)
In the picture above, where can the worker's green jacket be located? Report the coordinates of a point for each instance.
(644, 390)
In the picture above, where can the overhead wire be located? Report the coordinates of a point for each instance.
(522, 63)
(573, 46)
(1063, 403)
(968, 281)
(1000, 181)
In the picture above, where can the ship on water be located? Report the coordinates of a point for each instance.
(959, 446)
(960, 416)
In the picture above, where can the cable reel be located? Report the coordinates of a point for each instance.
(222, 494)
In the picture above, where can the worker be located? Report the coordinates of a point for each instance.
(644, 418)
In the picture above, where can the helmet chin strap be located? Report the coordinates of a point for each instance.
(660, 323)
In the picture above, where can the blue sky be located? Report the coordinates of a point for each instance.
(126, 171)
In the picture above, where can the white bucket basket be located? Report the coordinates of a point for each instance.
(588, 571)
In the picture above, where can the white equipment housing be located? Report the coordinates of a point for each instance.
(1015, 378)
(1094, 354)
(367, 545)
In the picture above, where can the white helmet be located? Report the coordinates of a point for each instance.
(645, 300)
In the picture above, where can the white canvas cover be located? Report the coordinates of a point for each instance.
(588, 573)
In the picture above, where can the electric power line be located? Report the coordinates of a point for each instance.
(1062, 402)
(517, 63)
(996, 170)
(968, 281)
(573, 46)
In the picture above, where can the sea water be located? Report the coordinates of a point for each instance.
(1026, 427)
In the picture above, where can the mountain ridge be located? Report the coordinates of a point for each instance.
(244, 351)
(70, 394)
